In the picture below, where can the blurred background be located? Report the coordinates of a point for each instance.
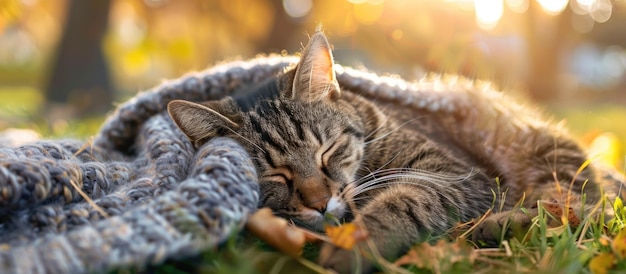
(65, 63)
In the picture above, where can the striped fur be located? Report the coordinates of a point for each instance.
(411, 173)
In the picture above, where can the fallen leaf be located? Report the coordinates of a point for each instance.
(572, 218)
(277, 232)
(419, 255)
(346, 235)
(602, 263)
(434, 257)
(558, 210)
(552, 207)
(619, 244)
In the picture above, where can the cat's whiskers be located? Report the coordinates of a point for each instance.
(381, 168)
(403, 176)
(395, 179)
(390, 171)
(391, 159)
(432, 177)
(423, 181)
(412, 176)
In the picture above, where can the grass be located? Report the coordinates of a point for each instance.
(21, 107)
(545, 250)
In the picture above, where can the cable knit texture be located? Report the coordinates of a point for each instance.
(162, 198)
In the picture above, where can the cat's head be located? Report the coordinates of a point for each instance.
(306, 141)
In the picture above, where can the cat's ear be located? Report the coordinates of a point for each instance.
(314, 77)
(201, 122)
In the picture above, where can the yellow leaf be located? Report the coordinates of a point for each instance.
(606, 147)
(602, 263)
(619, 244)
(346, 235)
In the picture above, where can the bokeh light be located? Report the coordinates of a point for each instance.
(553, 7)
(488, 13)
(518, 6)
(297, 8)
(601, 10)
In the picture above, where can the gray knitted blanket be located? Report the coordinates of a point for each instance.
(155, 196)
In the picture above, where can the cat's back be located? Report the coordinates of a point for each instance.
(451, 108)
(506, 135)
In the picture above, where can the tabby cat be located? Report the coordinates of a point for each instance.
(409, 173)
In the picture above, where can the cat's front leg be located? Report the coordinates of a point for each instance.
(396, 218)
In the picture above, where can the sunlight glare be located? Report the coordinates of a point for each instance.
(519, 6)
(553, 7)
(367, 14)
(488, 13)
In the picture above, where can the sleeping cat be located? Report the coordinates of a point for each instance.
(320, 148)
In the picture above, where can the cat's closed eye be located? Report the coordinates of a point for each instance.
(280, 175)
(327, 154)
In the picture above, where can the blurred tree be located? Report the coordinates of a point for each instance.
(548, 39)
(79, 81)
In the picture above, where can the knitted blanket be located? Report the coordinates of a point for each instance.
(151, 195)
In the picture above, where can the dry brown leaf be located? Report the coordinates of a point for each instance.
(277, 232)
(558, 210)
(429, 256)
(419, 255)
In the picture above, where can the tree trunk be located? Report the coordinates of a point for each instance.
(548, 38)
(79, 80)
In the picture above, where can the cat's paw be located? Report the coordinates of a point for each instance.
(501, 226)
(344, 260)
